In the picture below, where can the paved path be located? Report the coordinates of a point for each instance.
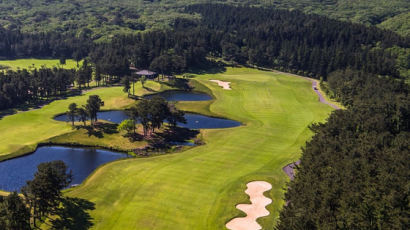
(321, 98)
(289, 169)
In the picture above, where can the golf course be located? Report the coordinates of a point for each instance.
(197, 188)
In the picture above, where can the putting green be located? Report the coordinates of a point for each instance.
(199, 188)
(37, 63)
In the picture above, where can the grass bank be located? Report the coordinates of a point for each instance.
(106, 137)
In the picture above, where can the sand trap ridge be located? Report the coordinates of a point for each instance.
(253, 211)
(224, 84)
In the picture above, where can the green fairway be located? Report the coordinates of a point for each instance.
(199, 188)
(37, 63)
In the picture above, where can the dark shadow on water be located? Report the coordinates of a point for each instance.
(73, 214)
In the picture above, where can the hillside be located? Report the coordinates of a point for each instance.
(104, 18)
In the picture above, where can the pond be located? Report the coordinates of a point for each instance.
(194, 121)
(82, 161)
(178, 95)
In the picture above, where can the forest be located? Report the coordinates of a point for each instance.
(353, 173)
(291, 41)
(102, 19)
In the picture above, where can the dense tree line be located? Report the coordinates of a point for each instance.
(354, 172)
(18, 87)
(15, 44)
(309, 45)
(101, 19)
(290, 40)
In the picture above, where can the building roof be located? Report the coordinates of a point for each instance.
(145, 73)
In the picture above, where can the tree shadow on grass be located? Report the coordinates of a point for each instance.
(34, 105)
(73, 214)
(94, 132)
(179, 83)
(100, 128)
(134, 137)
(209, 67)
(174, 134)
(149, 89)
(107, 127)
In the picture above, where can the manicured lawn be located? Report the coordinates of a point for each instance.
(37, 63)
(99, 138)
(199, 188)
(20, 133)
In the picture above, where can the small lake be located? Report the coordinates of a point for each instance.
(178, 95)
(82, 161)
(194, 121)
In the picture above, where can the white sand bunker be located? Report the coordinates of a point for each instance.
(253, 211)
(224, 84)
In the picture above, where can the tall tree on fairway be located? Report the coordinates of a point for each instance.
(72, 112)
(127, 85)
(143, 108)
(175, 116)
(93, 106)
(82, 114)
(143, 79)
(133, 115)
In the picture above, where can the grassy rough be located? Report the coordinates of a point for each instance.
(199, 188)
(113, 141)
(38, 63)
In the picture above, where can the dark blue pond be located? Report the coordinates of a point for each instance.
(82, 161)
(115, 116)
(194, 121)
(177, 95)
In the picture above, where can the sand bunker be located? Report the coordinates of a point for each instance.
(253, 211)
(224, 84)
